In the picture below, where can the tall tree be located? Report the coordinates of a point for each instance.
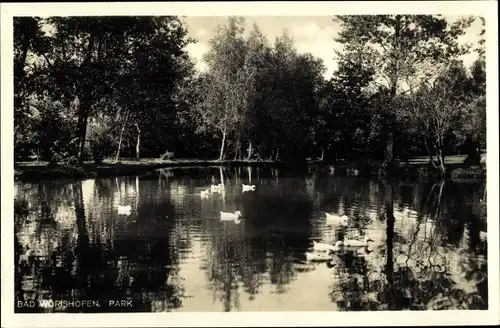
(344, 108)
(157, 76)
(440, 109)
(256, 68)
(400, 44)
(27, 40)
(478, 105)
(296, 79)
(90, 57)
(225, 84)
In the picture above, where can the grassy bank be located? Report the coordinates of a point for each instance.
(416, 168)
(407, 171)
(41, 170)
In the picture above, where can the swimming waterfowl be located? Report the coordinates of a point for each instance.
(321, 247)
(323, 256)
(248, 187)
(356, 243)
(125, 210)
(332, 170)
(362, 251)
(336, 219)
(225, 216)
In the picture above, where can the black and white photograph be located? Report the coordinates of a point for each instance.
(325, 160)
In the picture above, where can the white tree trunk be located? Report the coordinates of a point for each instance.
(138, 144)
(250, 151)
(221, 156)
(117, 157)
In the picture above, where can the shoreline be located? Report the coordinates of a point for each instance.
(40, 170)
(416, 170)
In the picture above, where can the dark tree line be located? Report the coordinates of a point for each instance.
(106, 87)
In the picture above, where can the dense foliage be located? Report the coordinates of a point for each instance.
(105, 87)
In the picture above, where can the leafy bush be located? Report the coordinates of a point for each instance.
(63, 153)
(168, 155)
(100, 148)
(97, 153)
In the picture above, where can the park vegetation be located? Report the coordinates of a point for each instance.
(90, 88)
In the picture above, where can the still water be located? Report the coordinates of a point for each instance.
(173, 253)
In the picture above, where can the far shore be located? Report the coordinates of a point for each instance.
(417, 167)
(89, 169)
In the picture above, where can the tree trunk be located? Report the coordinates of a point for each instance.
(237, 149)
(431, 157)
(389, 145)
(277, 154)
(117, 157)
(249, 151)
(389, 148)
(138, 144)
(81, 130)
(221, 156)
(442, 168)
(128, 148)
(440, 155)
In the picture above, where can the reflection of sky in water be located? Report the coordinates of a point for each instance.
(173, 246)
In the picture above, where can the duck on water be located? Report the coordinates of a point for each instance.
(335, 219)
(226, 216)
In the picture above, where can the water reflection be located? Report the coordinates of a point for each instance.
(173, 253)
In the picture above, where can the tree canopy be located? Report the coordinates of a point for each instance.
(126, 86)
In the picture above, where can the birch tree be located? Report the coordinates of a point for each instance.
(225, 88)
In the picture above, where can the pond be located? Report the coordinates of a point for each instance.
(170, 250)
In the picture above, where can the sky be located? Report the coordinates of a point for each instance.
(310, 34)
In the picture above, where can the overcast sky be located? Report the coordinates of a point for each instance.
(310, 34)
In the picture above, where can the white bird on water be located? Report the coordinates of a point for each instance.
(336, 219)
(248, 187)
(125, 210)
(322, 256)
(322, 247)
(205, 193)
(225, 216)
(356, 243)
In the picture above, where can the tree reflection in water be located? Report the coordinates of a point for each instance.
(421, 273)
(429, 251)
(69, 261)
(263, 247)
